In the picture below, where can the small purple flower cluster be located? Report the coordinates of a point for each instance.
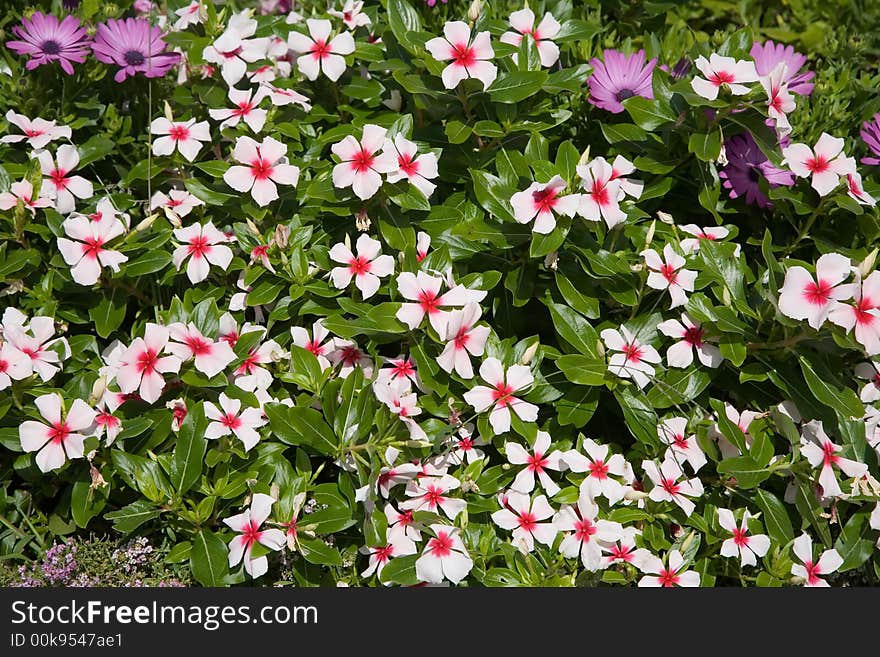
(56, 569)
(133, 554)
(131, 44)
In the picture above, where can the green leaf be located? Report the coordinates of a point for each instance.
(150, 262)
(189, 452)
(109, 313)
(747, 471)
(401, 570)
(208, 559)
(649, 114)
(583, 370)
(574, 329)
(94, 149)
(678, 386)
(705, 145)
(86, 503)
(318, 552)
(457, 132)
(856, 542)
(775, 517)
(617, 132)
(130, 517)
(215, 168)
(843, 400)
(516, 86)
(301, 426)
(403, 21)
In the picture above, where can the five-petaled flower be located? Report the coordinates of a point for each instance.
(185, 136)
(432, 494)
(743, 544)
(669, 485)
(363, 162)
(632, 358)
(673, 573)
(464, 338)
(59, 185)
(247, 525)
(318, 53)
(37, 132)
(422, 292)
(596, 463)
(523, 517)
(602, 193)
(523, 24)
(87, 251)
(691, 338)
(810, 571)
(668, 273)
(211, 357)
(804, 297)
(723, 72)
(141, 365)
(419, 170)
(230, 419)
(244, 108)
(824, 164)
(584, 532)
(204, 245)
(536, 463)
(470, 59)
(263, 166)
(822, 453)
(366, 268)
(541, 202)
(444, 556)
(62, 438)
(499, 394)
(683, 447)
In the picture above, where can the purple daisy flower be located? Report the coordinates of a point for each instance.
(619, 77)
(46, 41)
(769, 55)
(871, 136)
(745, 166)
(135, 46)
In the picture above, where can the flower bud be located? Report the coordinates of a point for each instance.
(585, 157)
(282, 236)
(98, 389)
(866, 266)
(475, 10)
(551, 260)
(145, 223)
(529, 353)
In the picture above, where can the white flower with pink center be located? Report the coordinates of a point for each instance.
(177, 204)
(36, 342)
(444, 556)
(668, 273)
(541, 202)
(804, 297)
(230, 419)
(14, 365)
(536, 463)
(682, 447)
(281, 96)
(432, 494)
(318, 53)
(211, 357)
(669, 485)
(523, 24)
(620, 168)
(141, 366)
(59, 185)
(470, 59)
(250, 375)
(871, 373)
(60, 439)
(366, 268)
(396, 545)
(363, 162)
(632, 359)
(465, 446)
(317, 343)
(401, 401)
(23, 192)
(624, 551)
(599, 467)
(743, 421)
(348, 356)
(856, 192)
(824, 164)
(584, 532)
(395, 475)
(184, 136)
(812, 571)
(672, 574)
(691, 245)
(523, 517)
(204, 245)
(499, 394)
(691, 338)
(195, 13)
(602, 193)
(244, 108)
(399, 369)
(864, 316)
(248, 525)
(352, 14)
(107, 424)
(780, 102)
(423, 293)
(402, 523)
(822, 453)
(234, 49)
(726, 72)
(463, 339)
(87, 251)
(748, 547)
(418, 169)
(263, 166)
(36, 132)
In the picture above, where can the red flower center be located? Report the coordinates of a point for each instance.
(441, 545)
(584, 529)
(670, 486)
(321, 49)
(428, 300)
(818, 293)
(463, 55)
(536, 462)
(407, 164)
(461, 338)
(740, 537)
(261, 169)
(598, 469)
(179, 132)
(693, 335)
(502, 394)
(362, 161)
(359, 266)
(146, 362)
(198, 345)
(198, 246)
(818, 164)
(251, 533)
(91, 247)
(433, 495)
(231, 421)
(600, 193)
(633, 352)
(669, 273)
(544, 199)
(527, 521)
(668, 578)
(59, 178)
(58, 432)
(829, 455)
(722, 77)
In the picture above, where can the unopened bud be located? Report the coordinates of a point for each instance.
(665, 217)
(252, 227)
(529, 353)
(650, 236)
(145, 223)
(98, 389)
(551, 260)
(585, 157)
(722, 156)
(168, 114)
(475, 10)
(282, 236)
(417, 444)
(633, 494)
(866, 266)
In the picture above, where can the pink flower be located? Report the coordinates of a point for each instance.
(352, 14)
(317, 344)
(856, 192)
(396, 545)
(808, 570)
(194, 13)
(401, 523)
(185, 136)
(432, 494)
(864, 316)
(541, 201)
(462, 337)
(347, 354)
(499, 394)
(211, 357)
(23, 191)
(58, 440)
(749, 547)
(37, 132)
(668, 488)
(470, 59)
(821, 451)
(620, 168)
(871, 372)
(361, 163)
(141, 367)
(444, 556)
(537, 463)
(743, 421)
(523, 516)
(397, 395)
(523, 21)
(230, 419)
(423, 243)
(780, 102)
(682, 447)
(367, 267)
(233, 49)
(244, 109)
(601, 199)
(424, 293)
(598, 467)
(60, 186)
(14, 365)
(88, 254)
(825, 163)
(633, 359)
(262, 166)
(723, 72)
(585, 534)
(105, 421)
(204, 246)
(464, 446)
(691, 337)
(802, 297)
(319, 55)
(624, 551)
(691, 245)
(418, 169)
(249, 375)
(35, 341)
(395, 475)
(281, 97)
(399, 369)
(669, 274)
(177, 204)
(671, 575)
(247, 525)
